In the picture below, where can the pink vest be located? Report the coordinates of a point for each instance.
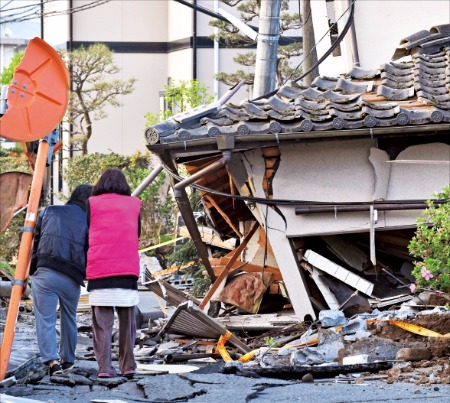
(113, 236)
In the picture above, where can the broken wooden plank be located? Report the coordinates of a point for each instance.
(227, 268)
(169, 293)
(328, 295)
(223, 214)
(259, 322)
(209, 237)
(249, 268)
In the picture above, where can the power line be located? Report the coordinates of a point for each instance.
(32, 14)
(9, 2)
(18, 7)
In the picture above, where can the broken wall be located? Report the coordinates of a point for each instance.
(333, 172)
(350, 171)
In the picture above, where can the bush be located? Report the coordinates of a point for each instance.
(431, 245)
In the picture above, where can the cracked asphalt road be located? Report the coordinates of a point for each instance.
(216, 387)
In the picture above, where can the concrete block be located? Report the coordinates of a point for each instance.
(329, 345)
(356, 359)
(413, 354)
(332, 317)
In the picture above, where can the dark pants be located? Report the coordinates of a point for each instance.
(102, 324)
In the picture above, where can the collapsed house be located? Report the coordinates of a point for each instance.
(330, 178)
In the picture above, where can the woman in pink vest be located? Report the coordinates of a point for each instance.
(113, 269)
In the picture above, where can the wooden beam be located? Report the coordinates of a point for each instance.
(209, 237)
(250, 268)
(229, 265)
(224, 216)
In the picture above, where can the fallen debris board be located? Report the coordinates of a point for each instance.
(246, 290)
(12, 399)
(382, 302)
(347, 251)
(329, 297)
(297, 372)
(14, 195)
(333, 269)
(171, 369)
(261, 322)
(171, 358)
(189, 320)
(355, 304)
(168, 292)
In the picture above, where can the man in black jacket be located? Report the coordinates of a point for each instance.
(58, 268)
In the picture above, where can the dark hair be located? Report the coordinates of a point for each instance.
(112, 181)
(80, 195)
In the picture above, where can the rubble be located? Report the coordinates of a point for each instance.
(389, 355)
(408, 343)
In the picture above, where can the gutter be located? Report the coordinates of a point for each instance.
(364, 206)
(256, 140)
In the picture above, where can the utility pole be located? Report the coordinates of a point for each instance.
(267, 47)
(309, 41)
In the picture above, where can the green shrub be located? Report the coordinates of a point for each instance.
(431, 246)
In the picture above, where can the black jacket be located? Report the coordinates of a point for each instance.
(59, 241)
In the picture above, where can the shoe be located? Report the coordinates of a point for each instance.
(67, 365)
(105, 375)
(55, 369)
(128, 374)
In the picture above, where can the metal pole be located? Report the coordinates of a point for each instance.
(21, 273)
(267, 47)
(149, 179)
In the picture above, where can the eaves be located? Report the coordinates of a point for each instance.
(219, 143)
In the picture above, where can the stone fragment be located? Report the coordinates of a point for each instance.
(393, 375)
(361, 334)
(307, 356)
(330, 343)
(6, 383)
(234, 364)
(332, 317)
(307, 378)
(354, 325)
(413, 354)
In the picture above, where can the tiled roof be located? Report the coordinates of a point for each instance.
(412, 91)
